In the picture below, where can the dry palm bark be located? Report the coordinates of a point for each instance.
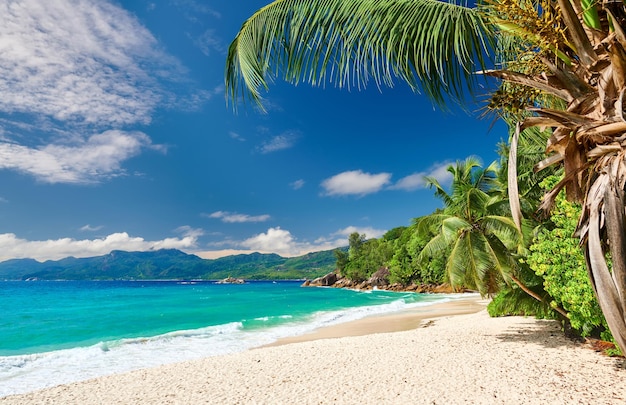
(584, 68)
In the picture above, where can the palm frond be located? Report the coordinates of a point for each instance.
(430, 223)
(505, 229)
(440, 192)
(426, 43)
(436, 246)
(453, 227)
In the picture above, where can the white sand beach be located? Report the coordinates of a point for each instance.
(453, 359)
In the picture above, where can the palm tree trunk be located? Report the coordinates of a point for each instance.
(608, 293)
(514, 202)
(536, 296)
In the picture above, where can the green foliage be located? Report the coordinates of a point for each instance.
(512, 300)
(398, 250)
(477, 240)
(366, 256)
(341, 260)
(426, 43)
(394, 234)
(406, 267)
(556, 257)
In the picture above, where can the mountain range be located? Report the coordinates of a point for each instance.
(170, 264)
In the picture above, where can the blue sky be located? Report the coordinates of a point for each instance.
(115, 134)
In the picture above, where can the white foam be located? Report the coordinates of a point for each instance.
(25, 373)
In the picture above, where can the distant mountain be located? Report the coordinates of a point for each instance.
(170, 264)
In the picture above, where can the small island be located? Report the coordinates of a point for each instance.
(231, 280)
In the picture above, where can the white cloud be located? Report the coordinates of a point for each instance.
(208, 42)
(83, 61)
(355, 182)
(275, 240)
(89, 228)
(297, 185)
(192, 8)
(232, 217)
(282, 242)
(97, 158)
(279, 142)
(416, 180)
(71, 69)
(236, 136)
(188, 231)
(368, 231)
(12, 247)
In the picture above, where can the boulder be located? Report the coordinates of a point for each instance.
(380, 278)
(232, 280)
(325, 281)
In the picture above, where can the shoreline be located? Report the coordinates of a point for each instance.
(399, 321)
(451, 359)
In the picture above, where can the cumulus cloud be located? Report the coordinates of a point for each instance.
(99, 157)
(369, 232)
(416, 180)
(275, 239)
(355, 182)
(282, 242)
(12, 247)
(232, 217)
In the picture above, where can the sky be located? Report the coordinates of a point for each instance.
(115, 135)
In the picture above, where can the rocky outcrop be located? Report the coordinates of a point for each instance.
(326, 281)
(380, 280)
(231, 280)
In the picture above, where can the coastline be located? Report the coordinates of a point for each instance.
(391, 322)
(452, 359)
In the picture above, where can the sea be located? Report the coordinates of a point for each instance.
(57, 332)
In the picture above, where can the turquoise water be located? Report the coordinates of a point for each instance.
(58, 332)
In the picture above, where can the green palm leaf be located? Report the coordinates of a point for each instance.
(504, 229)
(430, 43)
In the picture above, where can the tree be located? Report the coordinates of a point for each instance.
(555, 255)
(561, 65)
(341, 260)
(404, 265)
(365, 257)
(480, 242)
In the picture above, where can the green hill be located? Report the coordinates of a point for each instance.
(170, 264)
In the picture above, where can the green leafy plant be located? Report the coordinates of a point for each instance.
(556, 256)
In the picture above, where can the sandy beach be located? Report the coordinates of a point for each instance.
(452, 353)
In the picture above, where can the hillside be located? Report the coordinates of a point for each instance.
(170, 264)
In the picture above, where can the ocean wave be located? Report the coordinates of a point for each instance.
(25, 373)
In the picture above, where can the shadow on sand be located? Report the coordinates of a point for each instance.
(549, 334)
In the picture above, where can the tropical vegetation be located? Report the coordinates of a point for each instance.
(560, 65)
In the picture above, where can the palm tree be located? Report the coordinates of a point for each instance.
(479, 241)
(561, 65)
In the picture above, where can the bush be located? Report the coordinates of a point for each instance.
(557, 257)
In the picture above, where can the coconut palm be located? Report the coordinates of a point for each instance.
(561, 65)
(480, 242)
